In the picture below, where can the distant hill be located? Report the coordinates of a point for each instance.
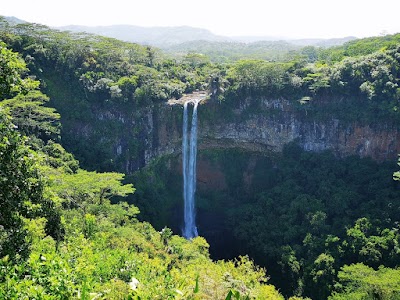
(14, 20)
(325, 43)
(258, 38)
(165, 37)
(232, 51)
(181, 40)
(155, 36)
(318, 42)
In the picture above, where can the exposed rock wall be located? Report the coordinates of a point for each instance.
(272, 133)
(157, 131)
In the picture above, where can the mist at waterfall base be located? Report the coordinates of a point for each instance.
(189, 154)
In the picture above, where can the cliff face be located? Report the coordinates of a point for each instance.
(262, 131)
(149, 133)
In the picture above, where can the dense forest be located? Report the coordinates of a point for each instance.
(72, 227)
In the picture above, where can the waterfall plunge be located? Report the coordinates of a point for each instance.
(189, 153)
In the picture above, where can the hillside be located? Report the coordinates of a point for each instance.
(166, 37)
(154, 36)
(295, 169)
(225, 52)
(181, 40)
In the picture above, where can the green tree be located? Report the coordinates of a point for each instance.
(362, 282)
(12, 68)
(57, 157)
(369, 244)
(21, 193)
(86, 187)
(32, 117)
(323, 273)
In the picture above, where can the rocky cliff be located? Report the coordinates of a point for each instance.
(135, 138)
(265, 131)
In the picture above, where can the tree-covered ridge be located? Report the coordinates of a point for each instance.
(359, 47)
(60, 236)
(371, 81)
(106, 68)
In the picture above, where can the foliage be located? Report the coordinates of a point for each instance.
(26, 102)
(302, 215)
(359, 47)
(265, 78)
(307, 203)
(396, 175)
(55, 156)
(105, 69)
(21, 194)
(107, 254)
(31, 117)
(371, 80)
(358, 281)
(12, 68)
(88, 187)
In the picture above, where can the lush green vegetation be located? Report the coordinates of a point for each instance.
(60, 236)
(302, 215)
(359, 47)
(324, 227)
(320, 213)
(371, 81)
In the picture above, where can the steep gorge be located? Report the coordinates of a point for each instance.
(249, 201)
(254, 129)
(130, 139)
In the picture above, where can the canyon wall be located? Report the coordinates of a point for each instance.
(143, 135)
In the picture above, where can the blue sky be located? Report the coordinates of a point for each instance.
(284, 18)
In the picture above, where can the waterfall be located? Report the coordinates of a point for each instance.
(189, 154)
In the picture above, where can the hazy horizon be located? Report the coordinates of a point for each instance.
(284, 18)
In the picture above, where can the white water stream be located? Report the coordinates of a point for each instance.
(189, 154)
